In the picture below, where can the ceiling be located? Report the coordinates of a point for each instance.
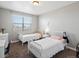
(28, 7)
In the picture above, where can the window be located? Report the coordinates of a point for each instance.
(22, 22)
(27, 22)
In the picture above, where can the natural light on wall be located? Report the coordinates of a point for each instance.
(47, 29)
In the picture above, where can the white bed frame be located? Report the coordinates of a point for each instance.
(28, 37)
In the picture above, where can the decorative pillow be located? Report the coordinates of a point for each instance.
(56, 37)
(40, 34)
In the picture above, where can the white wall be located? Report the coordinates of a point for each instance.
(63, 19)
(6, 22)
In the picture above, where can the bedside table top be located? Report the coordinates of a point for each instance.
(45, 35)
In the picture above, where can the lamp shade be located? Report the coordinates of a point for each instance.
(47, 30)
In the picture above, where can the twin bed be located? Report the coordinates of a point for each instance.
(46, 47)
(28, 37)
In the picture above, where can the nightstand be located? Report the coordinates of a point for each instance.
(44, 36)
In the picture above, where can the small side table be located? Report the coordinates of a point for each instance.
(44, 36)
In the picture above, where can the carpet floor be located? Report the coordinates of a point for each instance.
(19, 51)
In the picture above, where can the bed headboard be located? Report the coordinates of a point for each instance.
(57, 33)
(63, 34)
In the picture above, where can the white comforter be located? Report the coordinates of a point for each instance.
(29, 37)
(46, 47)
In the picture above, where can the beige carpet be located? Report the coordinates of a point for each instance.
(19, 51)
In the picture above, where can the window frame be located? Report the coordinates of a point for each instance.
(23, 23)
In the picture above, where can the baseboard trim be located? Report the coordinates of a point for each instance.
(74, 49)
(15, 41)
